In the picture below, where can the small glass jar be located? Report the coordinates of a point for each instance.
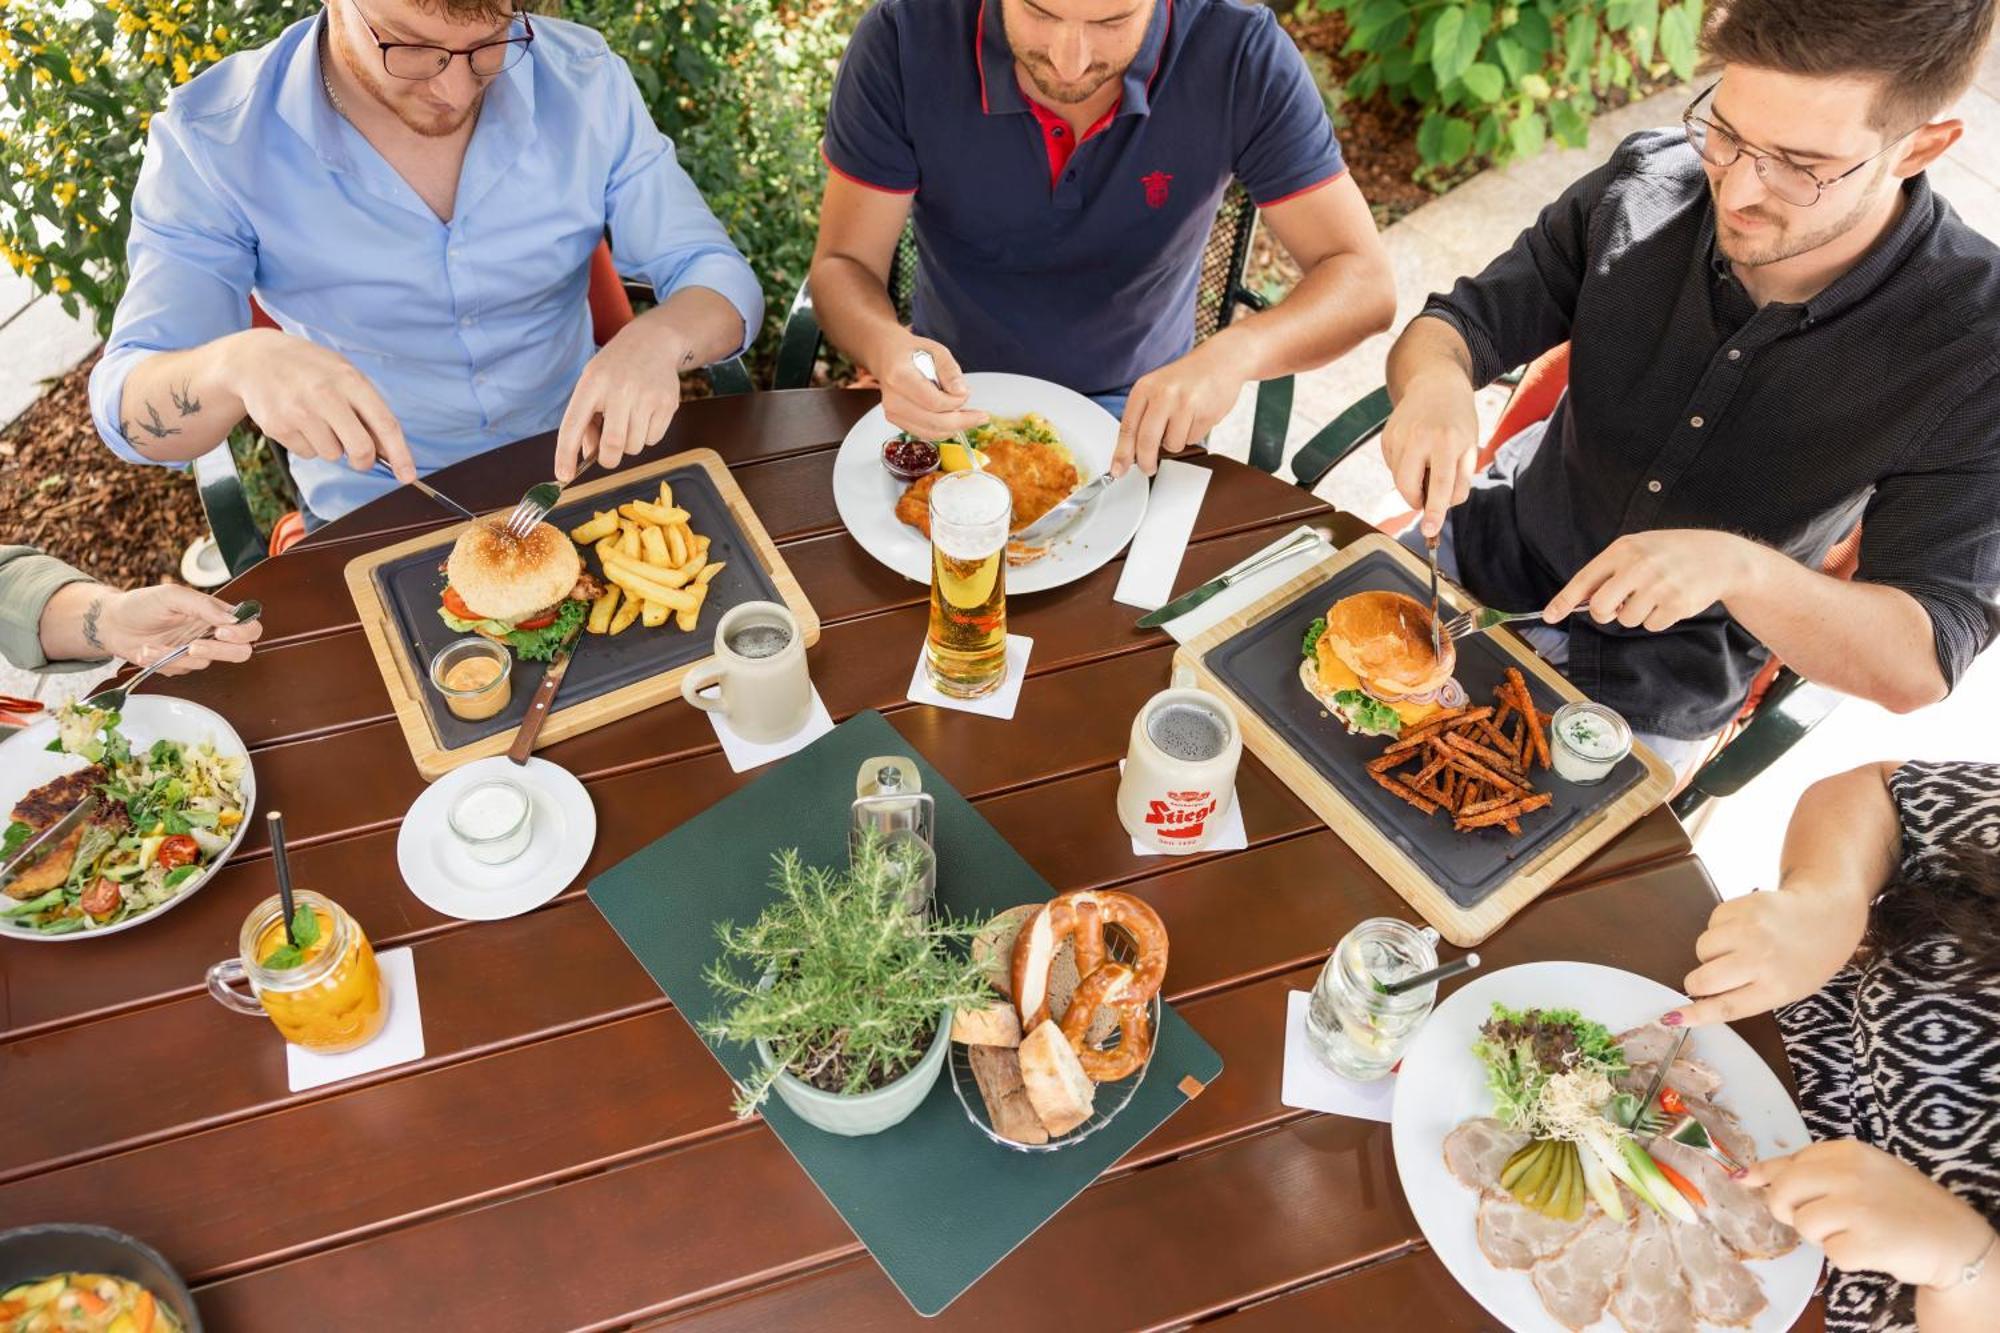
(493, 821)
(332, 1001)
(1355, 1027)
(473, 690)
(1586, 741)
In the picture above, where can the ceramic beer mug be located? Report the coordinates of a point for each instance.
(760, 662)
(1180, 768)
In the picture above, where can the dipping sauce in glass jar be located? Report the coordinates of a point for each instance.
(475, 676)
(1587, 741)
(493, 820)
(910, 459)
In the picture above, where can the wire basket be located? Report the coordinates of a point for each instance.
(1111, 1097)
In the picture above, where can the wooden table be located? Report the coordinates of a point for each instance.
(563, 1157)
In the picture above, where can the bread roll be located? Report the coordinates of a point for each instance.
(1057, 1087)
(996, 1025)
(997, 1070)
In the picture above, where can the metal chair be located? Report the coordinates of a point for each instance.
(243, 544)
(1218, 296)
(1780, 707)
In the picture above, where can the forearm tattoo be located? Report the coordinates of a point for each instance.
(90, 616)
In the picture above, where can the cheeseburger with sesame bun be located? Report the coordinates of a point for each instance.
(1369, 660)
(526, 592)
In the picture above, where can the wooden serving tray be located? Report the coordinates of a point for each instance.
(395, 592)
(1466, 885)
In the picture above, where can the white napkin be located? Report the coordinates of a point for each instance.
(400, 1040)
(744, 755)
(1000, 703)
(1229, 834)
(1231, 600)
(1311, 1086)
(1154, 558)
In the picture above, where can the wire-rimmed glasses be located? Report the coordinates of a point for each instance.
(416, 61)
(1796, 185)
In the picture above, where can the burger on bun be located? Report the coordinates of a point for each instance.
(526, 592)
(1369, 660)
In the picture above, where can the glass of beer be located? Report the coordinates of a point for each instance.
(966, 648)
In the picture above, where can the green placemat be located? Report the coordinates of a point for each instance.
(933, 1199)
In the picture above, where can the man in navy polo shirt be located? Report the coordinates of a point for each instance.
(1063, 161)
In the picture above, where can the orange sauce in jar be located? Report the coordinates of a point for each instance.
(341, 1005)
(474, 688)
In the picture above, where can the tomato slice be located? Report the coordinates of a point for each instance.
(456, 605)
(1671, 1103)
(539, 622)
(101, 898)
(179, 850)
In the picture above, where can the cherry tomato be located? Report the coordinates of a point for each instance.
(456, 605)
(101, 898)
(1671, 1103)
(178, 850)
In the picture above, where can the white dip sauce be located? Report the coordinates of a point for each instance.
(1587, 742)
(492, 820)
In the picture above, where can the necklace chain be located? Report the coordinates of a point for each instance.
(326, 79)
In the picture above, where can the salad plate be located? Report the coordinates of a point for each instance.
(27, 764)
(1443, 1084)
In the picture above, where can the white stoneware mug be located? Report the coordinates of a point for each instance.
(766, 692)
(1180, 768)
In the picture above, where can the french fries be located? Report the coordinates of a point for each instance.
(657, 566)
(1469, 764)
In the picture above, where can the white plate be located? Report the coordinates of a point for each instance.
(26, 763)
(446, 879)
(866, 494)
(1443, 1084)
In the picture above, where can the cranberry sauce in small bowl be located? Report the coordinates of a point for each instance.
(907, 458)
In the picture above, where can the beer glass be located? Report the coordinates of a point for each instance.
(965, 651)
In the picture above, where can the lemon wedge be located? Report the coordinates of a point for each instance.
(955, 457)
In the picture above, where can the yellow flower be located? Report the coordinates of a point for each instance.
(221, 33)
(182, 73)
(131, 23)
(42, 75)
(150, 58)
(145, 121)
(76, 72)
(64, 192)
(61, 284)
(209, 52)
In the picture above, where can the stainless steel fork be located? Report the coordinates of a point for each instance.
(1688, 1131)
(1483, 618)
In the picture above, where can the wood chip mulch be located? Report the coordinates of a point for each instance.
(63, 490)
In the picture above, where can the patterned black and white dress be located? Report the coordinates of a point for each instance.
(1904, 1054)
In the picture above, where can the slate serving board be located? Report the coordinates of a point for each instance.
(933, 1199)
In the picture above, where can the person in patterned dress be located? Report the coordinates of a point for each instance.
(1879, 951)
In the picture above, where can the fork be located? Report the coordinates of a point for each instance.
(1688, 1132)
(1483, 618)
(113, 699)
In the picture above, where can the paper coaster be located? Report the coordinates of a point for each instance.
(400, 1040)
(1311, 1086)
(998, 704)
(744, 755)
(1153, 560)
(1229, 834)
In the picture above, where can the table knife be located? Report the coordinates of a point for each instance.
(544, 701)
(1188, 601)
(1659, 1081)
(1437, 632)
(48, 839)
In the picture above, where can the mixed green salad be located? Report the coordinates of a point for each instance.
(1551, 1073)
(166, 814)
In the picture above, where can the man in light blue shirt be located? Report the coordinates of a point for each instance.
(412, 189)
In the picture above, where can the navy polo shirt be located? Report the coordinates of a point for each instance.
(1072, 262)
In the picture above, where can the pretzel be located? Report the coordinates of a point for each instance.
(1112, 984)
(1082, 917)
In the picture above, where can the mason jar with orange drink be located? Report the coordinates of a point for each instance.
(322, 992)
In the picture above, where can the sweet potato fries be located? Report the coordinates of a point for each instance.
(1476, 763)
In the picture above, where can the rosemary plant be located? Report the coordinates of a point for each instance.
(857, 981)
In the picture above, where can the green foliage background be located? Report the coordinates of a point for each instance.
(739, 86)
(1497, 80)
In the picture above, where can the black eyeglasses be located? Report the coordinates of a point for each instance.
(1794, 184)
(416, 62)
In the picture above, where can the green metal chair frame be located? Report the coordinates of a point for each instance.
(243, 544)
(1219, 294)
(1791, 706)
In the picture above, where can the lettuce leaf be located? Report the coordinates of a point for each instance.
(539, 645)
(1367, 715)
(1523, 1049)
(1313, 631)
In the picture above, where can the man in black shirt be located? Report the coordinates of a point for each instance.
(1777, 329)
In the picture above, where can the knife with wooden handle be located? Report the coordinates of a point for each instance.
(544, 701)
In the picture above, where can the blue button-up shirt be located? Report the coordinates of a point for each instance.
(1077, 264)
(474, 330)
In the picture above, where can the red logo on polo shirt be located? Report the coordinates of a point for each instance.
(1156, 184)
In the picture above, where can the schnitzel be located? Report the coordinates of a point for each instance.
(44, 806)
(1040, 474)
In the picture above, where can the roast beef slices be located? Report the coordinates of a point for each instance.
(1477, 1149)
(1511, 1236)
(1576, 1282)
(1651, 1295)
(1738, 1216)
(1723, 1290)
(1645, 1047)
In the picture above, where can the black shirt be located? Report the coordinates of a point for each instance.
(1690, 407)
